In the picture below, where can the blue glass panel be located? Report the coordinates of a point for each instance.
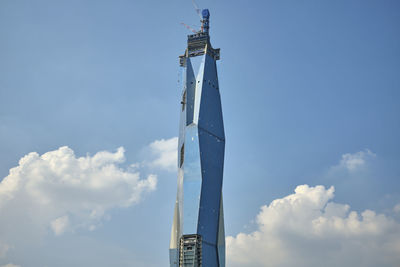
(191, 180)
(190, 92)
(210, 114)
(212, 160)
(182, 121)
(199, 85)
(173, 257)
(210, 258)
(196, 64)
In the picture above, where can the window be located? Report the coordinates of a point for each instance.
(183, 102)
(182, 155)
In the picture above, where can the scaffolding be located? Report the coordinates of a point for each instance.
(190, 251)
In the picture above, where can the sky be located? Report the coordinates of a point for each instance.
(89, 115)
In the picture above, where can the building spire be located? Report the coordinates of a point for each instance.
(205, 22)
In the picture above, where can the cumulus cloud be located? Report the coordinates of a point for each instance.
(356, 161)
(165, 154)
(308, 229)
(58, 192)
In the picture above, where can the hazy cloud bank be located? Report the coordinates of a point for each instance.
(308, 229)
(3, 249)
(10, 265)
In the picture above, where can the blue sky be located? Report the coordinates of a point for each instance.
(310, 95)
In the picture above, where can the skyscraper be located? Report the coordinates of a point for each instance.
(197, 237)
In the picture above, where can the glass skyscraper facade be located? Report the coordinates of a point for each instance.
(197, 237)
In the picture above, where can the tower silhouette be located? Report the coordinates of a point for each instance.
(198, 237)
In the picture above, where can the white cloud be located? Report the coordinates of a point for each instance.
(10, 265)
(356, 161)
(58, 191)
(308, 229)
(60, 225)
(165, 153)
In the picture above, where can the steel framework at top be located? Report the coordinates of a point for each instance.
(199, 43)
